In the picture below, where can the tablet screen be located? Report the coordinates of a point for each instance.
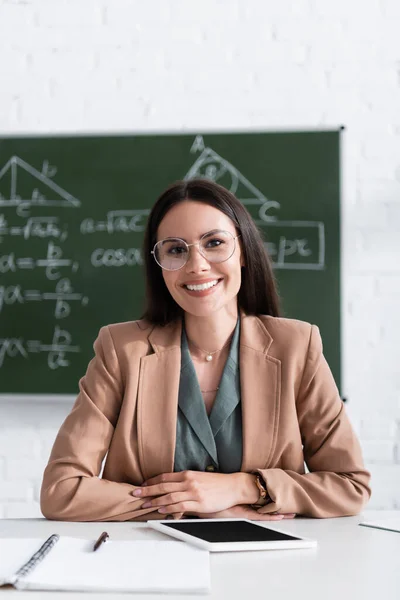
(230, 531)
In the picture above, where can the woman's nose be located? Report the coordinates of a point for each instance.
(196, 261)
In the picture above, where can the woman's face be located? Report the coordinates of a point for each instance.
(189, 220)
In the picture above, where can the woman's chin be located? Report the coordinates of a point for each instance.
(204, 310)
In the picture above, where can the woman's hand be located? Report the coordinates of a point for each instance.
(197, 492)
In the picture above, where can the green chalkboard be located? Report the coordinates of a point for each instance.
(72, 214)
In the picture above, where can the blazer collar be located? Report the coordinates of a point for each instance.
(253, 333)
(166, 338)
(159, 387)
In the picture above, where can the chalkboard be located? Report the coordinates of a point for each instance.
(72, 214)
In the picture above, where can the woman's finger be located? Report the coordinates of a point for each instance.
(166, 500)
(174, 517)
(179, 507)
(159, 489)
(267, 517)
(177, 516)
(164, 478)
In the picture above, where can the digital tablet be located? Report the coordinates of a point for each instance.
(228, 535)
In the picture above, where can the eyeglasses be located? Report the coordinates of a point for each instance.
(173, 253)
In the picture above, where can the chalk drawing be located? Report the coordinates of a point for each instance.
(55, 195)
(291, 244)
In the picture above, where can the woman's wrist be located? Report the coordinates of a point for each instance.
(247, 489)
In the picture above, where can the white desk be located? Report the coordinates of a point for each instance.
(349, 562)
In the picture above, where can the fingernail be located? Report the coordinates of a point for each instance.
(162, 509)
(146, 505)
(137, 492)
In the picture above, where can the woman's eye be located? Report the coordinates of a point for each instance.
(214, 243)
(176, 250)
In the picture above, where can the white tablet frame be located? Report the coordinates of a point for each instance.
(300, 542)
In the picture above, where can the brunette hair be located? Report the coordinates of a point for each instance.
(257, 294)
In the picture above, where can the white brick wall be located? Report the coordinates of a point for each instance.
(173, 65)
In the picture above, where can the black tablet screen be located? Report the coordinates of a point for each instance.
(229, 531)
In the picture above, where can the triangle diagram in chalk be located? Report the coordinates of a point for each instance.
(212, 166)
(22, 183)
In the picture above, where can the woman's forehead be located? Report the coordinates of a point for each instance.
(190, 220)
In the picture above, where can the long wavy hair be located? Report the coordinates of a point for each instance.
(258, 292)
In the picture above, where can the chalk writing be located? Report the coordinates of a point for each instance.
(295, 244)
(40, 227)
(30, 189)
(57, 350)
(63, 296)
(52, 262)
(11, 347)
(117, 221)
(116, 257)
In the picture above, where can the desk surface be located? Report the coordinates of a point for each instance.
(349, 562)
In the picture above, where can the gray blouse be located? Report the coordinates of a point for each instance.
(209, 442)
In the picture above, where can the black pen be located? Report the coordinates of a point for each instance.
(103, 538)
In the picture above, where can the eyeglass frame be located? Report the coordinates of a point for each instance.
(196, 244)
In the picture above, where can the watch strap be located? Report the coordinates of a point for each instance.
(262, 489)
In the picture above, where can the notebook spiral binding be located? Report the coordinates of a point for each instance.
(37, 557)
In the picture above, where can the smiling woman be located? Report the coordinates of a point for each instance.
(211, 404)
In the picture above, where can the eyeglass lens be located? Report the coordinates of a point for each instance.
(173, 253)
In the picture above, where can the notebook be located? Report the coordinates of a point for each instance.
(67, 563)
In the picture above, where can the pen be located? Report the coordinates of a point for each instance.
(103, 538)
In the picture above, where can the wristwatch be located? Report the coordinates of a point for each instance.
(262, 488)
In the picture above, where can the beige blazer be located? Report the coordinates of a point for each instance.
(127, 407)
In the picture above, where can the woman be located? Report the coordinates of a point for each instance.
(211, 404)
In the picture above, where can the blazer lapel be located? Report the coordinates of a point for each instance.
(158, 401)
(260, 379)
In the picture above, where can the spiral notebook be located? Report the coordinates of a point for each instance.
(66, 563)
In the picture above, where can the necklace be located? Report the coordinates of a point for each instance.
(209, 355)
(209, 391)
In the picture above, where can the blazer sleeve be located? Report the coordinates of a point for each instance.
(71, 488)
(337, 484)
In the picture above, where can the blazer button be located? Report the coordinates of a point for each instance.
(210, 468)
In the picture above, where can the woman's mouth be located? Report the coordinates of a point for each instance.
(201, 289)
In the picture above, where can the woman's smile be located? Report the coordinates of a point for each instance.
(201, 288)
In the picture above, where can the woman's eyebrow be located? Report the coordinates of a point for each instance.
(210, 232)
(172, 237)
